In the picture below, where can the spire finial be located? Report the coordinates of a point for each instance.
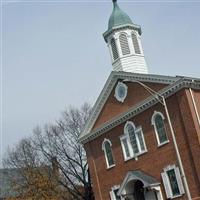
(114, 3)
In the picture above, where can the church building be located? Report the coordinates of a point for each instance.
(142, 139)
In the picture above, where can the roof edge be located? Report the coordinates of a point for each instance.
(112, 79)
(144, 105)
(136, 27)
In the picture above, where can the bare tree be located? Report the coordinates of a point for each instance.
(57, 144)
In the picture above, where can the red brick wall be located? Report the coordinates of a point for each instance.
(191, 127)
(113, 108)
(156, 158)
(196, 95)
(197, 99)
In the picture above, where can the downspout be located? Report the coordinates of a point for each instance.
(163, 102)
(177, 152)
(195, 106)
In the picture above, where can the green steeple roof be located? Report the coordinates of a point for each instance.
(118, 17)
(118, 20)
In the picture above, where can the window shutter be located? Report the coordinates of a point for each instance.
(166, 185)
(139, 135)
(130, 147)
(179, 180)
(125, 147)
(112, 195)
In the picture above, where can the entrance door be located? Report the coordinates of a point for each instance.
(139, 191)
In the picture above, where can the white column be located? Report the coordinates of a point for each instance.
(110, 51)
(140, 44)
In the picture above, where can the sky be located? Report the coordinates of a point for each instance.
(54, 55)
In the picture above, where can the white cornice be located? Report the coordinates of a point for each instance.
(175, 84)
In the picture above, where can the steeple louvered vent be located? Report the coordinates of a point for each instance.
(136, 44)
(124, 44)
(114, 49)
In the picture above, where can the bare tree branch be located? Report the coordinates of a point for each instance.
(56, 142)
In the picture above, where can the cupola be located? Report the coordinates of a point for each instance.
(123, 38)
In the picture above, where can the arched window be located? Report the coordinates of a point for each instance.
(107, 148)
(159, 127)
(124, 44)
(130, 130)
(132, 141)
(114, 49)
(136, 43)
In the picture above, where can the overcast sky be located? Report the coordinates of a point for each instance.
(54, 54)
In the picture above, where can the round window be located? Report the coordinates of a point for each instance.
(121, 91)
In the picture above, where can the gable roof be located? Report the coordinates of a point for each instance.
(147, 180)
(173, 84)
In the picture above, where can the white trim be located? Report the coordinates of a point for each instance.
(169, 167)
(195, 106)
(117, 50)
(125, 137)
(166, 185)
(179, 180)
(139, 43)
(125, 88)
(174, 85)
(103, 143)
(153, 117)
(158, 192)
(129, 176)
(110, 83)
(120, 28)
(110, 52)
(112, 194)
(163, 143)
(126, 35)
(125, 127)
(105, 154)
(137, 130)
(155, 129)
(166, 181)
(118, 47)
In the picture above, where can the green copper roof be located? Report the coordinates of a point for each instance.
(118, 17)
(119, 20)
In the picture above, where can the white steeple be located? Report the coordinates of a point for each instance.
(123, 38)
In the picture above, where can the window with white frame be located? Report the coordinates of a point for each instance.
(124, 44)
(172, 182)
(113, 193)
(107, 148)
(132, 141)
(157, 121)
(126, 147)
